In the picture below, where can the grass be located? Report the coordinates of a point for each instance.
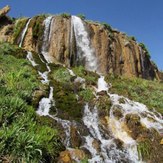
(147, 92)
(22, 137)
(90, 77)
(144, 149)
(61, 75)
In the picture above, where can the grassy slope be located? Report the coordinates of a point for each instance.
(23, 137)
(147, 92)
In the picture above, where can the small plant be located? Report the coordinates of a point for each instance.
(144, 148)
(81, 16)
(86, 94)
(107, 26)
(61, 75)
(145, 49)
(66, 15)
(132, 38)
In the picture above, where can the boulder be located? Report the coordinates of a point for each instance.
(161, 141)
(71, 155)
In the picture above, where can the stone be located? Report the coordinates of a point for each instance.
(4, 11)
(75, 137)
(65, 157)
(161, 142)
(69, 156)
(117, 111)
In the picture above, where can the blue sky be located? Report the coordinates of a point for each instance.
(140, 18)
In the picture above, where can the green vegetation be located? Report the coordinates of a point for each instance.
(145, 49)
(37, 29)
(61, 75)
(90, 77)
(147, 92)
(81, 16)
(132, 38)
(107, 26)
(66, 15)
(86, 95)
(144, 149)
(19, 25)
(22, 137)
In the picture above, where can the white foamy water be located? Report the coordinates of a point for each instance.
(108, 152)
(24, 32)
(66, 124)
(84, 50)
(102, 85)
(45, 104)
(71, 72)
(31, 59)
(45, 45)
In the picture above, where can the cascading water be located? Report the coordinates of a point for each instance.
(46, 38)
(142, 60)
(24, 32)
(84, 50)
(108, 150)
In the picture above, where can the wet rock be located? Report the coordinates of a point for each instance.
(37, 96)
(122, 100)
(96, 145)
(103, 104)
(117, 112)
(71, 155)
(161, 142)
(75, 137)
(65, 157)
(102, 93)
(134, 125)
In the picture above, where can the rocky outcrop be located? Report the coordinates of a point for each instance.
(116, 52)
(4, 11)
(4, 19)
(70, 156)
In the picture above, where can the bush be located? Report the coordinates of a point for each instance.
(107, 26)
(81, 16)
(145, 49)
(66, 15)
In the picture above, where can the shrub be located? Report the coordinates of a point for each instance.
(145, 49)
(66, 15)
(107, 26)
(81, 16)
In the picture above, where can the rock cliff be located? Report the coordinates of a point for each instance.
(115, 51)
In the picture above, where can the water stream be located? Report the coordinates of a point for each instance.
(24, 32)
(84, 51)
(107, 149)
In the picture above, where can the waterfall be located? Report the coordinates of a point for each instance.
(84, 51)
(31, 59)
(117, 128)
(24, 32)
(142, 61)
(46, 39)
(45, 104)
(108, 150)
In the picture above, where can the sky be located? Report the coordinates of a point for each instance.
(140, 18)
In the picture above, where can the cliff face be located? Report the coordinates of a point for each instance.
(115, 51)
